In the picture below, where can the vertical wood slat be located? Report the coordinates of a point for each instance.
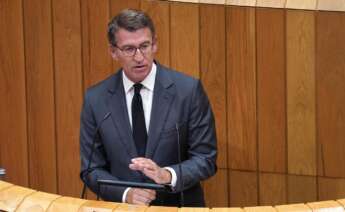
(68, 91)
(241, 88)
(13, 131)
(272, 189)
(115, 7)
(97, 62)
(216, 189)
(331, 188)
(301, 92)
(243, 189)
(40, 95)
(184, 38)
(271, 89)
(159, 12)
(213, 73)
(302, 189)
(330, 87)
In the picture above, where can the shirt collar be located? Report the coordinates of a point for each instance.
(148, 82)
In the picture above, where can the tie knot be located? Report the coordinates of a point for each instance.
(137, 88)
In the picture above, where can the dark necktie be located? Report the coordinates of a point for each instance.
(138, 121)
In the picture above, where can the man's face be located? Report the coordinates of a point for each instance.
(142, 45)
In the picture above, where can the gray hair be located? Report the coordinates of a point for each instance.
(130, 20)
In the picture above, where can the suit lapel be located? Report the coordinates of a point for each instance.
(118, 107)
(162, 100)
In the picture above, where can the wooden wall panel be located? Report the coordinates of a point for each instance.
(301, 189)
(97, 62)
(271, 89)
(272, 189)
(216, 189)
(301, 127)
(330, 87)
(13, 130)
(159, 11)
(241, 88)
(68, 90)
(184, 38)
(243, 189)
(331, 188)
(213, 74)
(40, 95)
(115, 7)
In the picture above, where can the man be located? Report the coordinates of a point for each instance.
(152, 109)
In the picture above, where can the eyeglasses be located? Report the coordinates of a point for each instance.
(130, 51)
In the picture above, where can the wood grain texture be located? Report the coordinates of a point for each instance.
(298, 4)
(40, 95)
(66, 204)
(130, 207)
(271, 3)
(259, 209)
(251, 3)
(159, 12)
(115, 7)
(271, 89)
(227, 209)
(68, 91)
(301, 189)
(163, 209)
(272, 189)
(92, 206)
(330, 205)
(212, 1)
(216, 190)
(97, 62)
(330, 78)
(241, 88)
(38, 201)
(13, 131)
(301, 109)
(213, 70)
(331, 188)
(243, 189)
(13, 196)
(184, 38)
(335, 5)
(293, 207)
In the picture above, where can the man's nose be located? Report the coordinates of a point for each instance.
(138, 56)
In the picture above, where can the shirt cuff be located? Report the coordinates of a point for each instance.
(124, 195)
(173, 176)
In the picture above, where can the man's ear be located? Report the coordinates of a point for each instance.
(113, 52)
(155, 45)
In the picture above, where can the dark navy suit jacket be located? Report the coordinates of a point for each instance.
(177, 100)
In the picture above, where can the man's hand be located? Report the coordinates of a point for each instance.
(140, 196)
(151, 170)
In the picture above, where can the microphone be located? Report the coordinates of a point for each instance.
(179, 165)
(88, 170)
(152, 186)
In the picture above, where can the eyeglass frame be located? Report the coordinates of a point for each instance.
(135, 49)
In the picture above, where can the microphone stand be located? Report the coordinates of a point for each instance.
(88, 170)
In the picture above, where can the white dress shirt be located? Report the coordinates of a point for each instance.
(146, 93)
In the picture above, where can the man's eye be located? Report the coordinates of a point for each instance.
(144, 46)
(129, 49)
